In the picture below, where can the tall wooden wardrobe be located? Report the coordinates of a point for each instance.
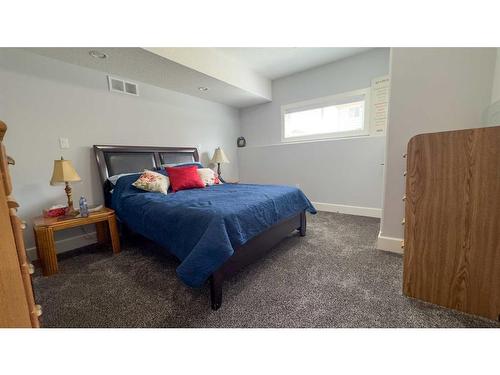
(452, 220)
(17, 304)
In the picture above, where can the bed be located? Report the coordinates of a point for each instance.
(214, 231)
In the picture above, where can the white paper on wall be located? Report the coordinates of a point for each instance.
(379, 104)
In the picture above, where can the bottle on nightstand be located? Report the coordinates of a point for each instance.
(84, 209)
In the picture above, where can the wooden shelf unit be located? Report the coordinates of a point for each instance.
(17, 307)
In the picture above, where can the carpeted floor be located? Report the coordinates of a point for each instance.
(333, 277)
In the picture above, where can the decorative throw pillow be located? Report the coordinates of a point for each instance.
(185, 164)
(208, 176)
(152, 181)
(182, 178)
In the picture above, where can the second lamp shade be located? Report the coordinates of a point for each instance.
(219, 156)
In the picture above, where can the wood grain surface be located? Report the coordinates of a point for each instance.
(16, 295)
(452, 220)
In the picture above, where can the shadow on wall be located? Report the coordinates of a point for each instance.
(96, 185)
(205, 159)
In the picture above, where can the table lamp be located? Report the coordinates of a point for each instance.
(219, 158)
(65, 172)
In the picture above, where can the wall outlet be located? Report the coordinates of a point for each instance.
(63, 143)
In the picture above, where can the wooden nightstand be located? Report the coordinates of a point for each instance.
(104, 220)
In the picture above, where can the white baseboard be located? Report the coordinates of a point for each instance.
(351, 210)
(391, 244)
(68, 244)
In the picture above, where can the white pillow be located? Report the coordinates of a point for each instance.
(208, 176)
(153, 182)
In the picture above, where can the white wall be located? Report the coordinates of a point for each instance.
(495, 94)
(432, 89)
(339, 172)
(43, 99)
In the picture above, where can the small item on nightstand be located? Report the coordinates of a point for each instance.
(55, 211)
(96, 208)
(84, 209)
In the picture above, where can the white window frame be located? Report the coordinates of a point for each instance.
(324, 102)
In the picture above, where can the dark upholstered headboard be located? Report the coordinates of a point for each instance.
(113, 160)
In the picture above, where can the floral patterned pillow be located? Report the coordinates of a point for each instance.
(152, 181)
(208, 176)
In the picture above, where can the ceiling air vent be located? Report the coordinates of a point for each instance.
(125, 87)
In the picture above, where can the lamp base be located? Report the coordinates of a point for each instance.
(219, 174)
(70, 211)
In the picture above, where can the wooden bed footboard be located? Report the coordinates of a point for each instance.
(253, 250)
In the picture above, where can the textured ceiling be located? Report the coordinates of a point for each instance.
(140, 65)
(143, 66)
(279, 62)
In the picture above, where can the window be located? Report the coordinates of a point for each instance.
(336, 116)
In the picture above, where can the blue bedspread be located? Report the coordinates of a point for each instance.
(201, 227)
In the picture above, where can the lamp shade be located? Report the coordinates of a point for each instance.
(219, 156)
(63, 172)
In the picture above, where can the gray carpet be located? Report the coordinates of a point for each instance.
(333, 277)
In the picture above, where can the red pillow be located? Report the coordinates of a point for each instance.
(182, 178)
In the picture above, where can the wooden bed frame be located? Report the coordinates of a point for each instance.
(113, 160)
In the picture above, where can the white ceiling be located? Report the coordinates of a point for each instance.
(140, 65)
(278, 62)
(147, 66)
